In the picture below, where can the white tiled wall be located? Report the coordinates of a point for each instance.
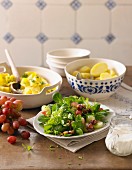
(30, 28)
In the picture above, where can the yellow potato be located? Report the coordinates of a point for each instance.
(112, 72)
(84, 69)
(104, 76)
(98, 68)
(25, 82)
(31, 82)
(85, 75)
(97, 78)
(108, 71)
(75, 73)
(114, 76)
(5, 89)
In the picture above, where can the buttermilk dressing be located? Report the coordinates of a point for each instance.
(119, 140)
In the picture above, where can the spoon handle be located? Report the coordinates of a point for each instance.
(13, 67)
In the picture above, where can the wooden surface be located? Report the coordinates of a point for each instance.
(42, 157)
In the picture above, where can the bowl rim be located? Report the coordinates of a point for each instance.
(70, 63)
(51, 55)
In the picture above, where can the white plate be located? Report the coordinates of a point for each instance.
(40, 129)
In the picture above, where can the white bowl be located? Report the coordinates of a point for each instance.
(66, 55)
(95, 89)
(51, 62)
(36, 100)
(56, 67)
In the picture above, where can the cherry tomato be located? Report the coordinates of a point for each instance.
(44, 113)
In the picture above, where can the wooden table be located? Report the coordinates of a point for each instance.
(94, 156)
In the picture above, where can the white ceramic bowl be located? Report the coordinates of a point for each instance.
(95, 89)
(58, 68)
(66, 55)
(50, 62)
(36, 100)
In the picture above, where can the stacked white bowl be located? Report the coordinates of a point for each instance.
(59, 58)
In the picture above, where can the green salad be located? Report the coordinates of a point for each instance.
(71, 116)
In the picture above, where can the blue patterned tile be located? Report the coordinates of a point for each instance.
(110, 4)
(110, 38)
(41, 4)
(6, 4)
(76, 38)
(41, 38)
(75, 4)
(8, 37)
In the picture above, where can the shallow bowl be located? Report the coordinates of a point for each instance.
(36, 100)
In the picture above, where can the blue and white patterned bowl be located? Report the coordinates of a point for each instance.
(95, 89)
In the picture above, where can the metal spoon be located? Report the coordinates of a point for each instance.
(15, 87)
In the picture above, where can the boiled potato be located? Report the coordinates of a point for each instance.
(98, 68)
(85, 75)
(108, 71)
(75, 73)
(84, 69)
(31, 83)
(99, 71)
(97, 78)
(112, 72)
(31, 90)
(5, 89)
(114, 76)
(104, 76)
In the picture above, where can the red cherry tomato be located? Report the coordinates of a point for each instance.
(44, 113)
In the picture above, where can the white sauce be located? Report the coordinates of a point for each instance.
(119, 140)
